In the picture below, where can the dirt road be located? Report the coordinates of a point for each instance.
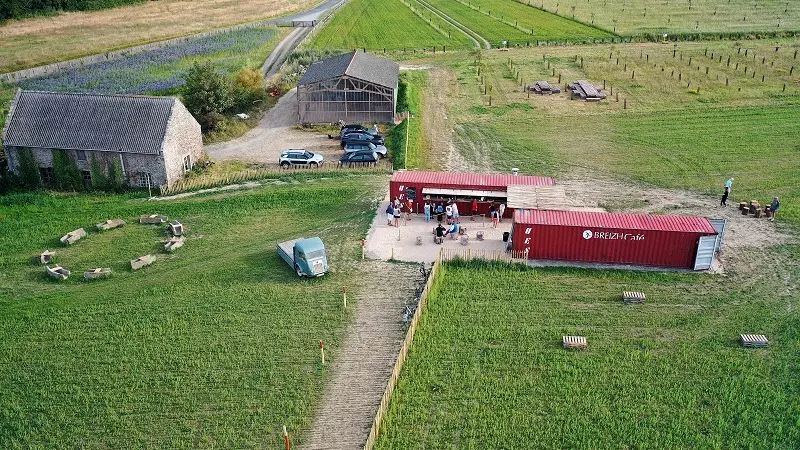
(364, 364)
(276, 132)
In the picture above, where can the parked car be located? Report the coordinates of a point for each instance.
(362, 136)
(299, 157)
(366, 158)
(352, 128)
(365, 146)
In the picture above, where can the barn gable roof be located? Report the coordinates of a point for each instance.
(120, 123)
(354, 64)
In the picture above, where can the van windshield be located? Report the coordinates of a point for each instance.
(316, 254)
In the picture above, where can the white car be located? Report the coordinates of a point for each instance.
(299, 157)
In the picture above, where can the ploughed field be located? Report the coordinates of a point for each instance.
(487, 368)
(215, 344)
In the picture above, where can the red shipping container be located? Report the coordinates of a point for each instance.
(462, 186)
(648, 240)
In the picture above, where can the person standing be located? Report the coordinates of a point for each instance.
(728, 185)
(493, 215)
(776, 203)
(449, 213)
(396, 216)
(409, 209)
(501, 212)
(389, 214)
(396, 203)
(427, 209)
(474, 209)
(456, 216)
(439, 212)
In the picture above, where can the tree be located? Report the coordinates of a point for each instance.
(247, 89)
(205, 93)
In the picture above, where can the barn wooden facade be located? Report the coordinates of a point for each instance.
(353, 87)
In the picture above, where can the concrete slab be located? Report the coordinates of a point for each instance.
(382, 240)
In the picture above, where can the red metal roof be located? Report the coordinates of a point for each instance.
(470, 179)
(623, 221)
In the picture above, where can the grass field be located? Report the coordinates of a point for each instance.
(389, 25)
(43, 40)
(684, 16)
(487, 369)
(546, 26)
(212, 346)
(669, 135)
(410, 98)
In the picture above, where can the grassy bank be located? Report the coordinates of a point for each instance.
(213, 345)
(487, 368)
(410, 97)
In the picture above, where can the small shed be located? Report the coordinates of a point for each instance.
(616, 238)
(355, 87)
(463, 188)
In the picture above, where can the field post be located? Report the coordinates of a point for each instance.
(625, 102)
(344, 296)
(286, 438)
(322, 351)
(363, 248)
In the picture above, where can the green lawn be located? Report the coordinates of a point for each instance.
(410, 98)
(487, 369)
(389, 24)
(491, 28)
(212, 346)
(704, 16)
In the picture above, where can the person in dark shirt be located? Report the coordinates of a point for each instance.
(440, 231)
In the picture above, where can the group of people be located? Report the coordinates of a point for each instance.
(396, 209)
(773, 207)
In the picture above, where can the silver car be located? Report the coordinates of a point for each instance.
(299, 157)
(365, 146)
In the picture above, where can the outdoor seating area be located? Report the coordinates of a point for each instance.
(46, 257)
(153, 219)
(544, 88)
(174, 244)
(57, 272)
(142, 261)
(578, 342)
(584, 90)
(633, 297)
(110, 224)
(753, 340)
(100, 272)
(73, 236)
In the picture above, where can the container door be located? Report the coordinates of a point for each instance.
(705, 252)
(719, 225)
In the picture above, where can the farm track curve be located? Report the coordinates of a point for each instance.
(472, 34)
(364, 364)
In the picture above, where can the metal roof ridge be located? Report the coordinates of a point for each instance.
(170, 98)
(350, 63)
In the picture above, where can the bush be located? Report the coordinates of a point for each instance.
(28, 169)
(65, 173)
(247, 89)
(16, 9)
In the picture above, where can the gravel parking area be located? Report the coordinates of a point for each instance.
(276, 131)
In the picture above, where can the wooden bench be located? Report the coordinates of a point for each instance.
(46, 257)
(73, 236)
(100, 272)
(57, 272)
(753, 340)
(110, 224)
(574, 342)
(176, 228)
(633, 297)
(174, 243)
(142, 261)
(152, 219)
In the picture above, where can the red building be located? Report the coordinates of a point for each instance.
(649, 240)
(463, 188)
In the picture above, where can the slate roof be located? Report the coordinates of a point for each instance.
(120, 123)
(354, 64)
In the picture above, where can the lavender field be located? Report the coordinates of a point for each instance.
(161, 71)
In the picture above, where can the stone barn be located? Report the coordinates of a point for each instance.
(353, 87)
(151, 140)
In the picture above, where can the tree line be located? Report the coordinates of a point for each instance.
(17, 9)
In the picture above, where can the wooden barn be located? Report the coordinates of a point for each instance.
(355, 87)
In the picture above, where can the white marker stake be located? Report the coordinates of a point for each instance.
(322, 351)
(344, 296)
